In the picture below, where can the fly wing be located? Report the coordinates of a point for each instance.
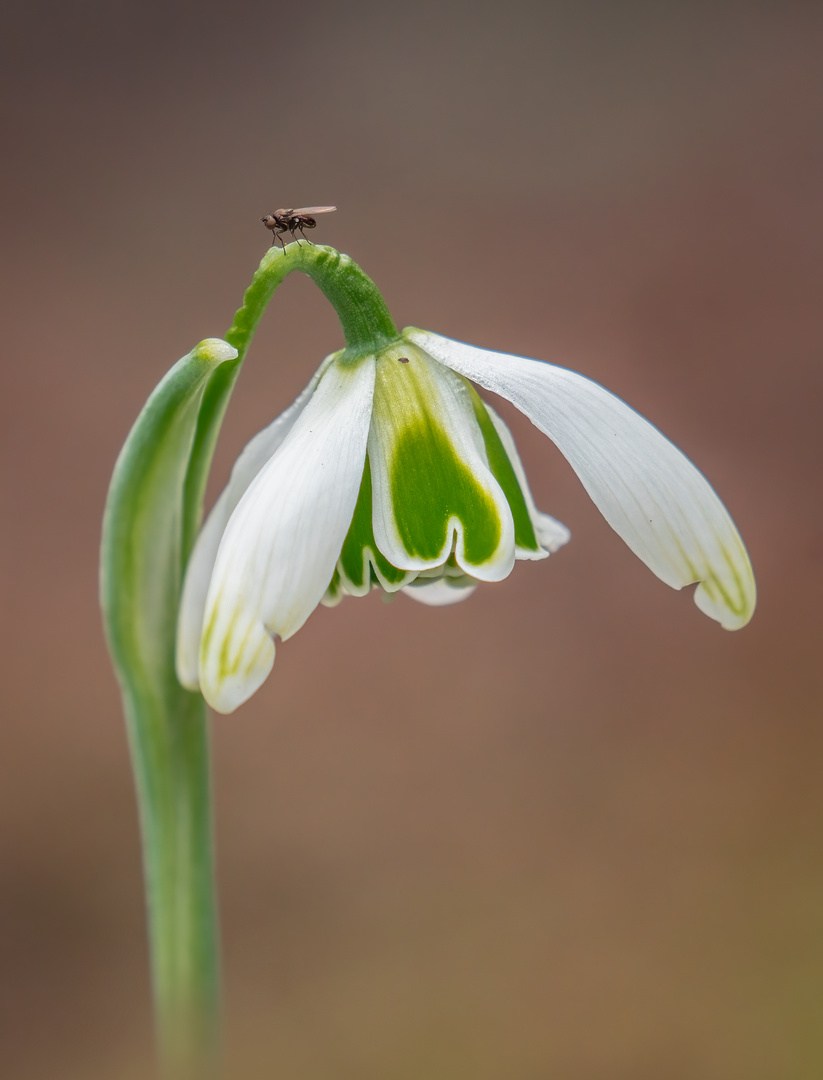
(310, 211)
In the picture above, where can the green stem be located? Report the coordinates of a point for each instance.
(170, 752)
(365, 319)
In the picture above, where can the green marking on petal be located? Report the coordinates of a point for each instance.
(227, 664)
(360, 555)
(714, 586)
(252, 660)
(436, 473)
(231, 652)
(430, 485)
(225, 668)
(503, 471)
(208, 629)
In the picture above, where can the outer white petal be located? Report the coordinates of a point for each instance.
(280, 547)
(647, 490)
(251, 460)
(438, 593)
(551, 533)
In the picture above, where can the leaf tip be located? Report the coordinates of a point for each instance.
(214, 351)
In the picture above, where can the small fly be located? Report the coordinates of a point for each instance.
(283, 221)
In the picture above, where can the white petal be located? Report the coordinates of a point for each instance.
(250, 461)
(551, 533)
(422, 396)
(438, 593)
(279, 550)
(647, 490)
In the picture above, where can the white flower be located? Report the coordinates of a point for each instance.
(389, 471)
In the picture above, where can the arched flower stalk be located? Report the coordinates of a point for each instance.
(389, 471)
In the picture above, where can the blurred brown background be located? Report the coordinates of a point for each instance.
(570, 828)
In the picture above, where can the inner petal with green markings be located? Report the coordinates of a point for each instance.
(443, 502)
(434, 494)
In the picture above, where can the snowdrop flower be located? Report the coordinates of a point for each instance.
(389, 471)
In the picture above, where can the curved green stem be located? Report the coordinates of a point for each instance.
(365, 319)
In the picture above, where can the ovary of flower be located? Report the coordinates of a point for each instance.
(389, 471)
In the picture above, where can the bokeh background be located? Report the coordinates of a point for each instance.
(570, 828)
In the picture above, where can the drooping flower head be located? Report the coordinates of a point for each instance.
(390, 471)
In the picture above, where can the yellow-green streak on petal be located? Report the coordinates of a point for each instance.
(251, 662)
(712, 584)
(227, 665)
(504, 474)
(208, 629)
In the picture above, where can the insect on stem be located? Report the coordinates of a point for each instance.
(288, 220)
